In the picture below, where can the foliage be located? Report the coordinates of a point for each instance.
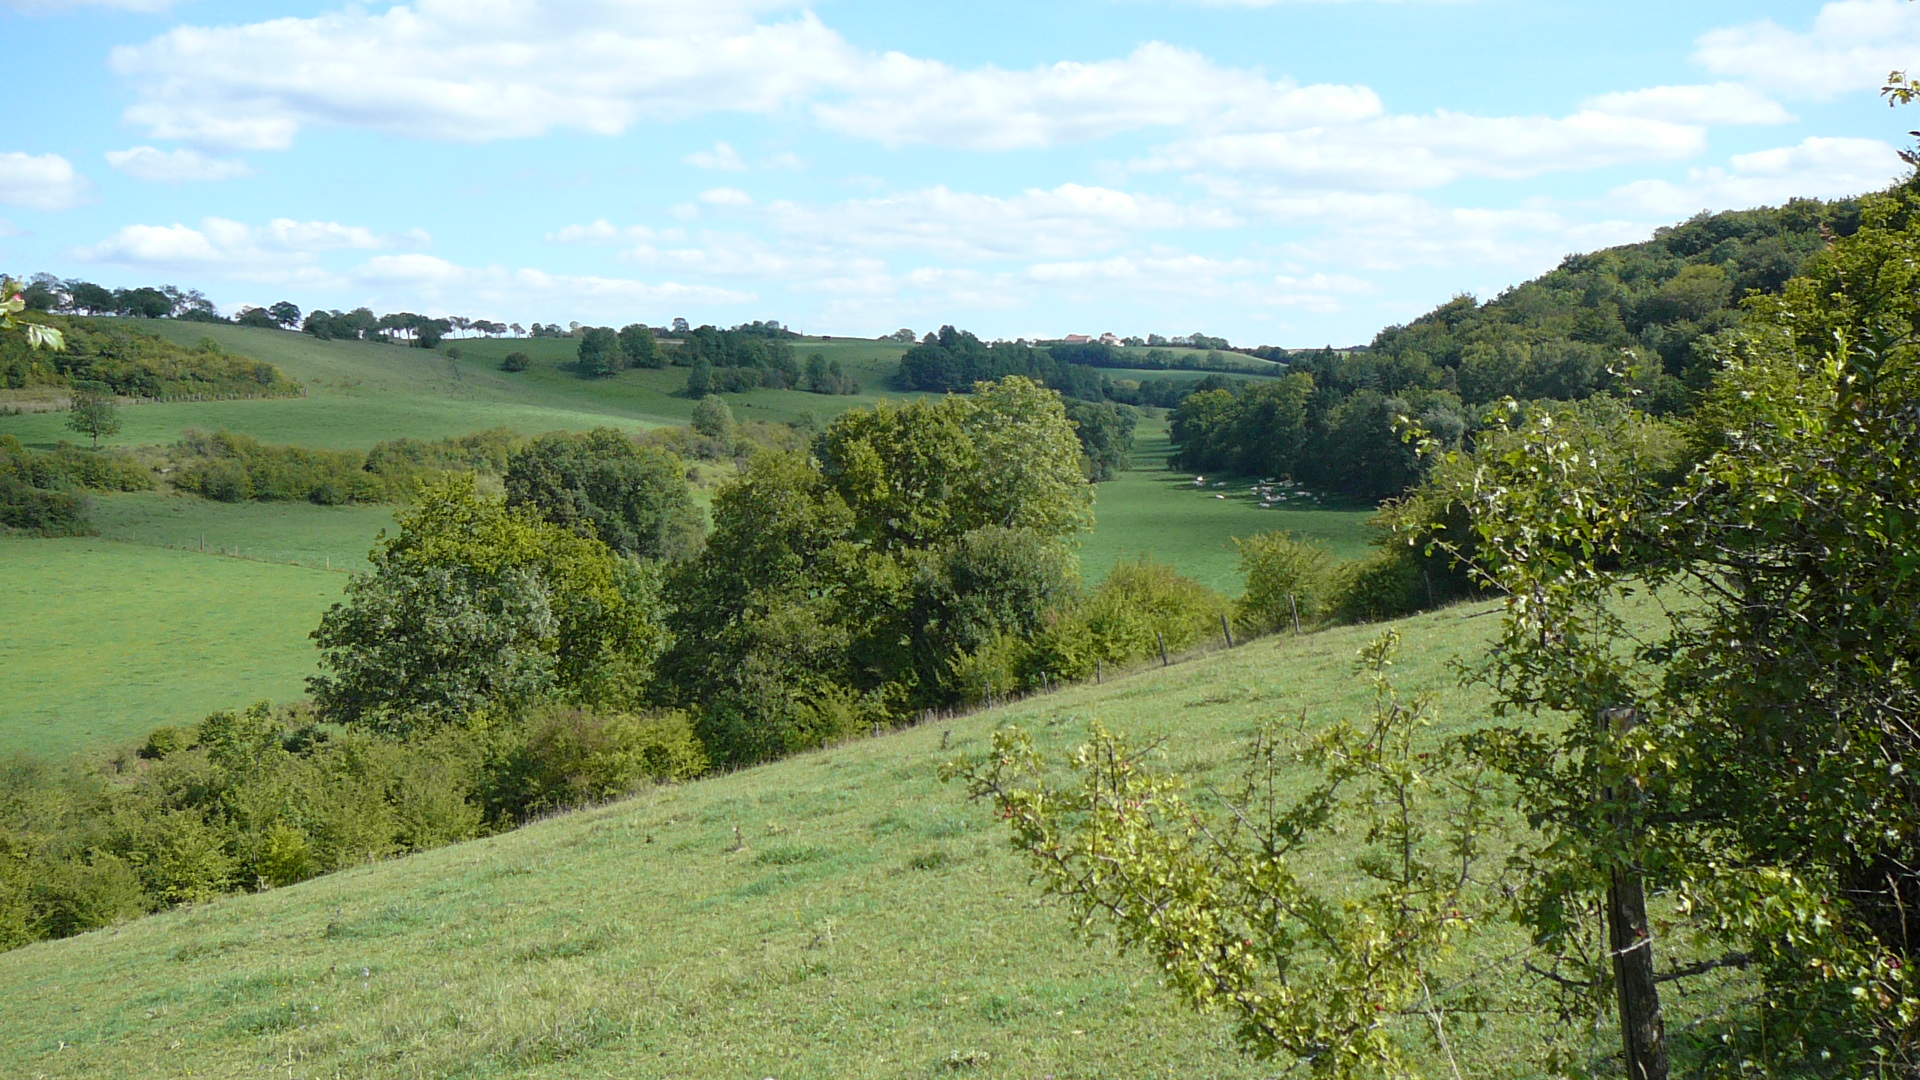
(825, 376)
(39, 511)
(1140, 605)
(475, 605)
(515, 361)
(1343, 972)
(232, 467)
(837, 591)
(94, 412)
(712, 418)
(632, 498)
(600, 353)
(954, 360)
(1106, 437)
(132, 362)
(567, 756)
(36, 334)
(1286, 578)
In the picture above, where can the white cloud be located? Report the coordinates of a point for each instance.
(149, 163)
(1851, 45)
(281, 250)
(1820, 168)
(903, 100)
(722, 157)
(38, 7)
(416, 278)
(1069, 220)
(1712, 103)
(458, 70)
(599, 232)
(1427, 151)
(726, 197)
(8, 228)
(46, 182)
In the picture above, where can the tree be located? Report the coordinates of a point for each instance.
(634, 499)
(712, 418)
(1106, 437)
(638, 349)
(700, 380)
(94, 412)
(680, 326)
(474, 605)
(515, 361)
(599, 352)
(286, 313)
(259, 318)
(90, 298)
(143, 303)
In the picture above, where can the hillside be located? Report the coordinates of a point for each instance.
(872, 925)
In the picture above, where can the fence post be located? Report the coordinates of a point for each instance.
(1227, 629)
(1295, 608)
(1098, 664)
(1163, 648)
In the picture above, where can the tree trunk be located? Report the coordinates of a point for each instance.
(1643, 1031)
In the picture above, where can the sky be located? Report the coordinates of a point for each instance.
(1286, 172)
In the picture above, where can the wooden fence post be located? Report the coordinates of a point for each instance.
(1163, 648)
(1227, 629)
(1295, 608)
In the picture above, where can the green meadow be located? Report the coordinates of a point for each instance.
(361, 393)
(1155, 512)
(842, 914)
(105, 641)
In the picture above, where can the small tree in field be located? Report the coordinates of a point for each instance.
(712, 418)
(94, 412)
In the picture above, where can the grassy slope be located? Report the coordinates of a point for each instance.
(106, 641)
(360, 393)
(298, 534)
(1153, 511)
(874, 926)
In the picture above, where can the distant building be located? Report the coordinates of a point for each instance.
(1076, 339)
(1110, 339)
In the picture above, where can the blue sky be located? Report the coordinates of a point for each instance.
(1291, 172)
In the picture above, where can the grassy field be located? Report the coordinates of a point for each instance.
(840, 914)
(361, 393)
(299, 534)
(1154, 511)
(105, 641)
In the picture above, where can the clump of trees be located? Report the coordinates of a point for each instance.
(131, 362)
(234, 467)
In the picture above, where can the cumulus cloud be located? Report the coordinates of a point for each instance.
(903, 100)
(1820, 168)
(452, 69)
(1403, 152)
(281, 250)
(1851, 45)
(45, 182)
(149, 163)
(1712, 103)
(726, 197)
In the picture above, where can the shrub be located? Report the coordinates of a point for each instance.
(1124, 620)
(574, 756)
(515, 361)
(1385, 585)
(1282, 572)
(712, 418)
(43, 513)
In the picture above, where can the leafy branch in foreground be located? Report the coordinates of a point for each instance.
(1342, 966)
(12, 304)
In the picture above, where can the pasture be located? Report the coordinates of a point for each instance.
(1153, 511)
(361, 393)
(105, 641)
(838, 914)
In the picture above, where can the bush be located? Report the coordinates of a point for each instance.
(43, 513)
(515, 361)
(1282, 573)
(573, 757)
(1385, 585)
(712, 418)
(1124, 620)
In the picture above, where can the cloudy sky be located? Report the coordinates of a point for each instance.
(1291, 172)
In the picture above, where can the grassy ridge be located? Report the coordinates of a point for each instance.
(841, 914)
(359, 393)
(106, 641)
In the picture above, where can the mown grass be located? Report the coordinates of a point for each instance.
(1154, 511)
(840, 914)
(105, 641)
